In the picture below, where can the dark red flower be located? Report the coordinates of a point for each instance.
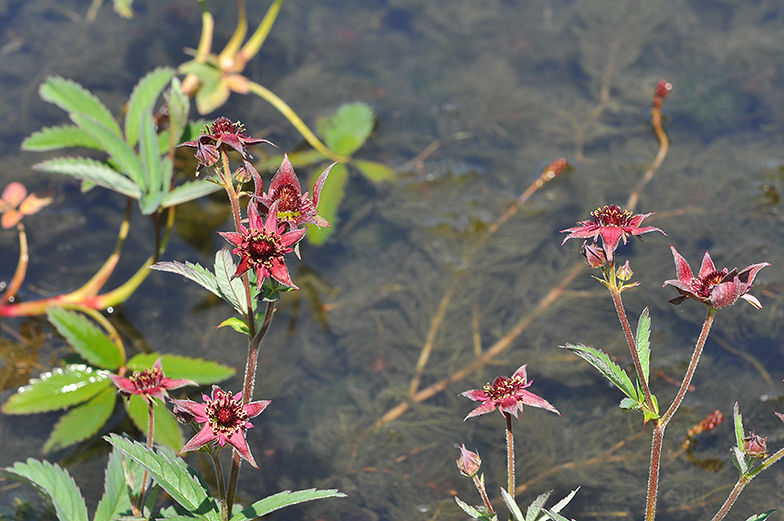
(508, 395)
(294, 208)
(719, 289)
(149, 384)
(225, 420)
(222, 133)
(263, 245)
(612, 224)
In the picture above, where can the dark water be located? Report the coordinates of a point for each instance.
(491, 92)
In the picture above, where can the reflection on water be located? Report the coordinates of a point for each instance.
(473, 100)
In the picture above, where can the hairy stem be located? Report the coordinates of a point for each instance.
(510, 462)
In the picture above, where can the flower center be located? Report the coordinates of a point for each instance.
(223, 125)
(263, 249)
(502, 387)
(703, 285)
(147, 379)
(225, 415)
(612, 215)
(288, 195)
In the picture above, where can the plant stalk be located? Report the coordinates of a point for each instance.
(510, 460)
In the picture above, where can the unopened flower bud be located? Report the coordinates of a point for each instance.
(245, 172)
(755, 446)
(594, 255)
(468, 463)
(625, 272)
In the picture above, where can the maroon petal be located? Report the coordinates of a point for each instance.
(292, 237)
(255, 408)
(202, 438)
(485, 408)
(233, 237)
(195, 409)
(285, 176)
(707, 267)
(238, 441)
(320, 184)
(529, 398)
(478, 395)
(124, 384)
(682, 268)
(280, 272)
(611, 236)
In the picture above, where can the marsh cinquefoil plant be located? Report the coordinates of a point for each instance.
(137, 472)
(717, 289)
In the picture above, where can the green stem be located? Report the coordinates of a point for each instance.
(221, 485)
(255, 42)
(295, 120)
(150, 432)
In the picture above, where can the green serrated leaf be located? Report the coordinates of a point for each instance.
(739, 459)
(376, 172)
(172, 474)
(148, 151)
(75, 99)
(468, 509)
(55, 483)
(602, 362)
(82, 421)
(232, 291)
(86, 338)
(91, 171)
(348, 128)
(737, 419)
(511, 504)
(630, 404)
(565, 501)
(167, 172)
(188, 192)
(179, 107)
(329, 202)
(551, 514)
(58, 389)
(118, 149)
(281, 500)
(114, 503)
(142, 101)
(536, 506)
(53, 138)
(149, 203)
(195, 272)
(762, 516)
(237, 324)
(203, 372)
(167, 431)
(643, 342)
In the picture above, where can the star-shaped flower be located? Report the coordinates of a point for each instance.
(612, 224)
(263, 245)
(225, 420)
(222, 133)
(149, 383)
(295, 208)
(508, 395)
(716, 288)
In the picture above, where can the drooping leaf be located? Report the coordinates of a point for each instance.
(188, 192)
(92, 171)
(82, 421)
(643, 342)
(348, 128)
(237, 324)
(75, 99)
(281, 500)
(195, 272)
(203, 372)
(55, 483)
(167, 431)
(232, 291)
(468, 509)
(58, 389)
(53, 138)
(762, 516)
(114, 503)
(376, 172)
(172, 474)
(602, 362)
(86, 338)
(329, 202)
(143, 99)
(118, 149)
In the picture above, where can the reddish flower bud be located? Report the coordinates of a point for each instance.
(663, 88)
(625, 272)
(755, 446)
(594, 255)
(469, 462)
